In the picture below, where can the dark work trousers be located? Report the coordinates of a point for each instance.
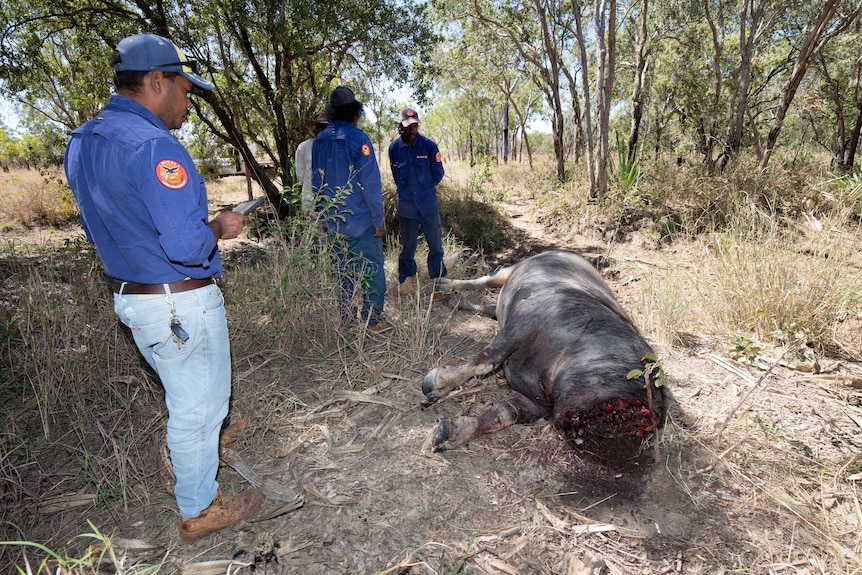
(408, 229)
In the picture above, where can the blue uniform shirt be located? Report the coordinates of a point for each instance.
(142, 201)
(417, 170)
(344, 170)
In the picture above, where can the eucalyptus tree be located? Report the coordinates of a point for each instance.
(832, 101)
(639, 36)
(273, 62)
(776, 43)
(476, 59)
(820, 24)
(446, 122)
(540, 33)
(688, 80)
(605, 30)
(729, 69)
(466, 82)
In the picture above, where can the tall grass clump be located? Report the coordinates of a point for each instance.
(776, 279)
(706, 202)
(39, 198)
(74, 395)
(474, 220)
(778, 287)
(282, 293)
(285, 318)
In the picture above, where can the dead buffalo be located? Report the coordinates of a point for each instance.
(569, 354)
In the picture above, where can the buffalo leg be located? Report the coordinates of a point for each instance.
(494, 280)
(491, 281)
(458, 431)
(441, 380)
(485, 309)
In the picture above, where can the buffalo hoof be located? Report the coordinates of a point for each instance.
(441, 435)
(455, 432)
(444, 286)
(429, 383)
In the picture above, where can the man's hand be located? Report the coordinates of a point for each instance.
(228, 225)
(378, 231)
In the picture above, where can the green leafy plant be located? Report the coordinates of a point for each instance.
(744, 349)
(626, 170)
(652, 371)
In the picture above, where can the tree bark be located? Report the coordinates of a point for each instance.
(604, 20)
(638, 84)
(585, 81)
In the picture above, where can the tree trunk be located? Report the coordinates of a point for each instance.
(741, 78)
(506, 132)
(638, 84)
(817, 38)
(605, 20)
(585, 81)
(711, 132)
(853, 144)
(553, 95)
(577, 118)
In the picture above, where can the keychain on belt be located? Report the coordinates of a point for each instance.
(180, 335)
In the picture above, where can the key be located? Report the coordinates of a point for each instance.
(180, 335)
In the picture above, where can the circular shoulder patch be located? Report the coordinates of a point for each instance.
(437, 157)
(172, 174)
(365, 149)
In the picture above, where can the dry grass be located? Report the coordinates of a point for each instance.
(36, 198)
(772, 443)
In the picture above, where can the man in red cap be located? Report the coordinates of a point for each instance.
(417, 169)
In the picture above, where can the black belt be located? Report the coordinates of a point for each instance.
(176, 287)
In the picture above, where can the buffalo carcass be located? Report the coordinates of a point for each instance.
(569, 353)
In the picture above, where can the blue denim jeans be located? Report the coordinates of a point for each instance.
(196, 376)
(359, 263)
(408, 230)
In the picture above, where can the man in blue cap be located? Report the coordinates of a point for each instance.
(417, 169)
(144, 207)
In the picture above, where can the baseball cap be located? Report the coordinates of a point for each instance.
(409, 116)
(145, 52)
(341, 95)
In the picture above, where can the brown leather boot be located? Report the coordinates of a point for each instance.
(231, 433)
(380, 326)
(407, 286)
(224, 511)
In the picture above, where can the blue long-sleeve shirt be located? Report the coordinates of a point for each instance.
(142, 202)
(417, 170)
(344, 170)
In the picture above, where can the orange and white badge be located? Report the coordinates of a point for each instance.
(365, 149)
(172, 174)
(438, 158)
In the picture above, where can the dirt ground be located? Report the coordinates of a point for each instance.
(376, 499)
